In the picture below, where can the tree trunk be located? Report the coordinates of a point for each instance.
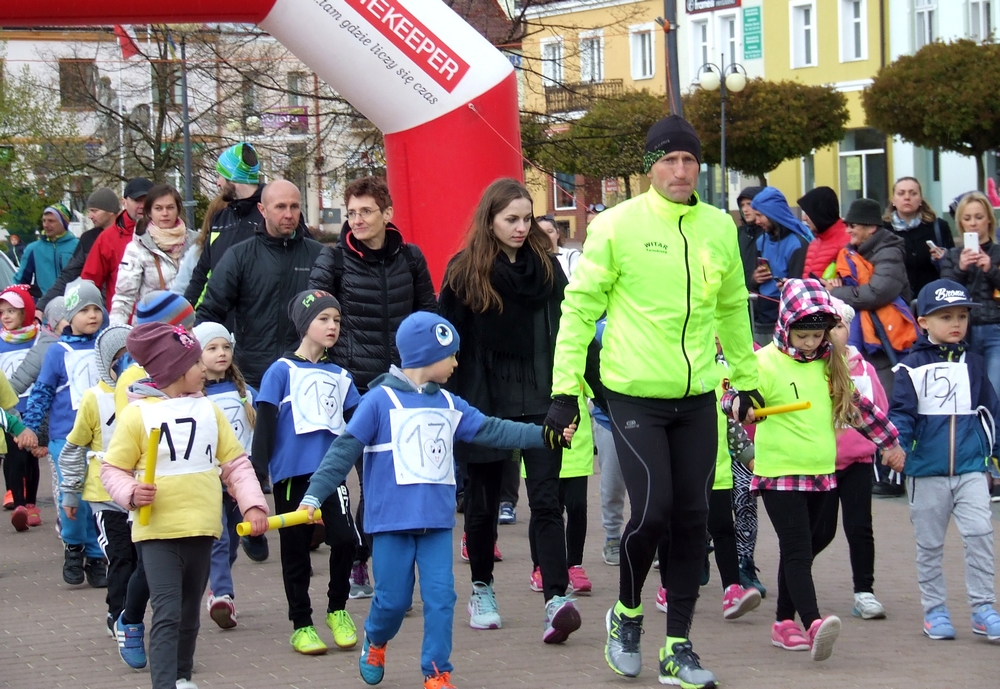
(761, 180)
(980, 172)
(628, 187)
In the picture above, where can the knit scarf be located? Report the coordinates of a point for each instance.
(901, 225)
(25, 334)
(508, 335)
(171, 240)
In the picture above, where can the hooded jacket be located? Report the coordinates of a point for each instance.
(785, 253)
(945, 444)
(852, 447)
(884, 251)
(233, 224)
(981, 285)
(145, 268)
(747, 234)
(254, 282)
(376, 290)
(823, 250)
(44, 259)
(105, 256)
(73, 268)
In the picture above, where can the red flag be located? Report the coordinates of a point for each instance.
(126, 42)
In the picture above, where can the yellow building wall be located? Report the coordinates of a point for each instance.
(775, 19)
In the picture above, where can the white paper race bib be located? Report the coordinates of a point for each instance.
(233, 409)
(317, 397)
(942, 388)
(863, 384)
(189, 431)
(81, 372)
(10, 362)
(422, 443)
(107, 412)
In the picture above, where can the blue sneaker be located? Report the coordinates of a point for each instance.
(372, 663)
(507, 513)
(130, 643)
(937, 624)
(986, 622)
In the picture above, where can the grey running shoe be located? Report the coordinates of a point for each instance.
(612, 552)
(561, 619)
(360, 583)
(681, 668)
(622, 649)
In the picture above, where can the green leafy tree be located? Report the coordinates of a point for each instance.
(767, 123)
(945, 96)
(39, 152)
(606, 143)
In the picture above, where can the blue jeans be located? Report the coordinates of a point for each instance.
(393, 558)
(985, 341)
(82, 530)
(225, 549)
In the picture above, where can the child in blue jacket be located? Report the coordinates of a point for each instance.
(405, 428)
(944, 408)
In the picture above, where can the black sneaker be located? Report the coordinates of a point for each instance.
(97, 573)
(748, 576)
(73, 565)
(884, 489)
(682, 668)
(255, 547)
(706, 572)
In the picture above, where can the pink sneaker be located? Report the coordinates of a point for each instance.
(535, 581)
(222, 610)
(789, 636)
(738, 601)
(822, 634)
(578, 580)
(34, 515)
(465, 550)
(661, 599)
(497, 557)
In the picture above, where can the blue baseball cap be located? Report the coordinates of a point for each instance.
(941, 294)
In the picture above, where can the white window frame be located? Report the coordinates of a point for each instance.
(555, 191)
(924, 30)
(851, 28)
(701, 50)
(597, 37)
(981, 13)
(810, 58)
(635, 34)
(553, 70)
(724, 42)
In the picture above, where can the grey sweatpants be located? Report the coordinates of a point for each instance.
(934, 500)
(612, 483)
(177, 572)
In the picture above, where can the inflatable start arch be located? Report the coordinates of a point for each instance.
(444, 97)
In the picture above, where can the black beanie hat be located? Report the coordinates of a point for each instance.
(822, 207)
(305, 306)
(670, 134)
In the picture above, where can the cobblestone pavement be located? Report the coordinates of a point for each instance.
(52, 635)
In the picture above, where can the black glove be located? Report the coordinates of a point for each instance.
(564, 412)
(749, 399)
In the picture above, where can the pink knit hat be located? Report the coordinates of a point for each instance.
(165, 351)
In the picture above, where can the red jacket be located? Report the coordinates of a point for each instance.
(102, 263)
(823, 250)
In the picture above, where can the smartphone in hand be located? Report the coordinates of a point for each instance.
(972, 241)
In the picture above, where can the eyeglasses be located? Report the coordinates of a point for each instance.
(540, 218)
(364, 213)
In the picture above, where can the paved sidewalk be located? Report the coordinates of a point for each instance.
(53, 635)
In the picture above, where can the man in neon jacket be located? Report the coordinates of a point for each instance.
(667, 270)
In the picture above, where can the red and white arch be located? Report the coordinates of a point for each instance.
(444, 97)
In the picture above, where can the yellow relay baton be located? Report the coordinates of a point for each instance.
(280, 521)
(781, 409)
(150, 474)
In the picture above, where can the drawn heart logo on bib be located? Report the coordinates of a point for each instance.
(436, 451)
(329, 404)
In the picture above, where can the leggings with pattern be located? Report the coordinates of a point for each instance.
(745, 509)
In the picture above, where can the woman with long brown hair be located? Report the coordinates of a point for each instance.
(503, 292)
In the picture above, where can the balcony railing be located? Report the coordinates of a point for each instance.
(581, 95)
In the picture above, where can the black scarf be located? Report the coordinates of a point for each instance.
(508, 336)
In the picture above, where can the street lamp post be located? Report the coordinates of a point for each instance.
(731, 77)
(189, 202)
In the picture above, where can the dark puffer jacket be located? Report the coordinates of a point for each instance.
(884, 251)
(254, 282)
(377, 289)
(235, 223)
(920, 269)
